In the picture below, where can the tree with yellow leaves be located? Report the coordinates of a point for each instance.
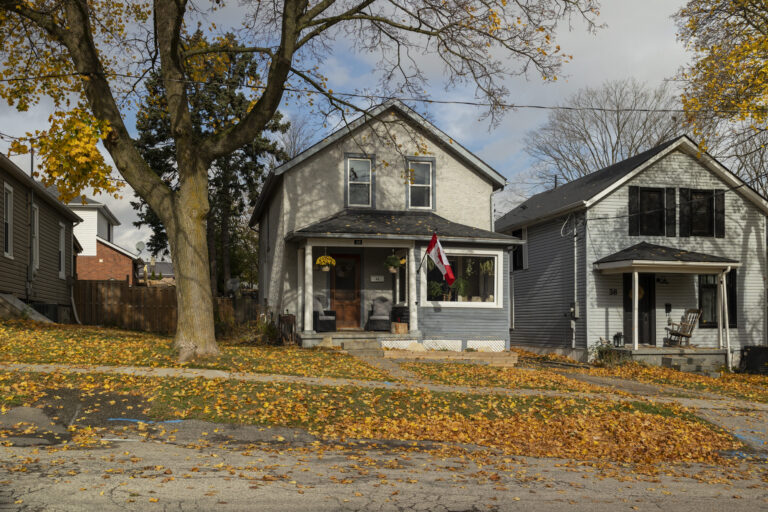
(89, 57)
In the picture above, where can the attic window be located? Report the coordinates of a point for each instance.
(420, 178)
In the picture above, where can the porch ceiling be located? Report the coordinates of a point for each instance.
(645, 257)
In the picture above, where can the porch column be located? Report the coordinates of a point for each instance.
(720, 310)
(635, 300)
(300, 290)
(725, 322)
(308, 287)
(413, 312)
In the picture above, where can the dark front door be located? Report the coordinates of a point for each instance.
(345, 291)
(646, 309)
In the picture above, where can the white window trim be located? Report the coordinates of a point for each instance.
(411, 185)
(63, 250)
(369, 182)
(36, 237)
(9, 253)
(498, 296)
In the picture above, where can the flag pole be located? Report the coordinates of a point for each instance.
(422, 258)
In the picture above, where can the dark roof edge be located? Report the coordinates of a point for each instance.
(580, 205)
(508, 241)
(20, 175)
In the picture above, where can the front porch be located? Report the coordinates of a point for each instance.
(687, 359)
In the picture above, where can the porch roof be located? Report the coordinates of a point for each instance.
(398, 225)
(645, 257)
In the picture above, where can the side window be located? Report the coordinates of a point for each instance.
(359, 182)
(420, 184)
(708, 299)
(520, 252)
(8, 221)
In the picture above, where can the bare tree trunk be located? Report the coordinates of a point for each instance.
(226, 267)
(195, 334)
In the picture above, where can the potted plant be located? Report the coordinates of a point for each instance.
(435, 289)
(460, 286)
(393, 263)
(325, 262)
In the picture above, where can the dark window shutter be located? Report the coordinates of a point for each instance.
(671, 211)
(634, 211)
(685, 212)
(719, 214)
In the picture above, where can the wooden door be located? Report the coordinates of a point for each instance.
(345, 291)
(646, 309)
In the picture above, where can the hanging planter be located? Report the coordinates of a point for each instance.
(393, 263)
(325, 263)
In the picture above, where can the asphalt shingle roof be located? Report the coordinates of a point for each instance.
(385, 223)
(651, 252)
(576, 191)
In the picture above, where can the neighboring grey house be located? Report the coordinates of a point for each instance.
(36, 244)
(669, 223)
(380, 187)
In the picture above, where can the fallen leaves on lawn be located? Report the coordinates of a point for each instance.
(27, 342)
(637, 432)
(487, 376)
(743, 386)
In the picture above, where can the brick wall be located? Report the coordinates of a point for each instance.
(107, 264)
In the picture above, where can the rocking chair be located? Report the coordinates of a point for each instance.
(677, 334)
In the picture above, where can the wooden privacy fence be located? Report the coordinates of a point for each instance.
(141, 308)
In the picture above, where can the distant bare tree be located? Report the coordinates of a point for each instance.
(298, 137)
(597, 127)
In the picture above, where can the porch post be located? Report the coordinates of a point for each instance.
(308, 302)
(300, 290)
(635, 301)
(720, 310)
(725, 322)
(413, 312)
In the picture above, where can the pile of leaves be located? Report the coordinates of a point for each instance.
(26, 342)
(742, 386)
(632, 432)
(487, 376)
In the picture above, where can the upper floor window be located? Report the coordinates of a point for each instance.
(420, 178)
(652, 211)
(359, 181)
(702, 213)
(8, 221)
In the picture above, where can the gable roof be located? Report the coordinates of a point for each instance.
(88, 203)
(576, 193)
(15, 171)
(117, 248)
(459, 151)
(409, 225)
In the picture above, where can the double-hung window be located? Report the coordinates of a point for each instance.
(652, 211)
(359, 182)
(708, 299)
(8, 221)
(420, 177)
(702, 213)
(35, 226)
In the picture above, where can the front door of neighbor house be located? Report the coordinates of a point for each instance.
(646, 309)
(345, 291)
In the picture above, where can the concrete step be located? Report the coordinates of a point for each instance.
(360, 345)
(366, 353)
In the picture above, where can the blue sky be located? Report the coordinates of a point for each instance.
(638, 40)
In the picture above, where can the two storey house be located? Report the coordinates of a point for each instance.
(624, 252)
(370, 197)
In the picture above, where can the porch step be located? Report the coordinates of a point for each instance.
(360, 345)
(700, 365)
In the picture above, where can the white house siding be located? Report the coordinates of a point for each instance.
(87, 230)
(102, 226)
(745, 240)
(272, 264)
(314, 189)
(543, 292)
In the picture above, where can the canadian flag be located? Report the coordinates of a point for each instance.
(437, 254)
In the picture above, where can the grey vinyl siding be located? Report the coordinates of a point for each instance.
(745, 240)
(543, 292)
(46, 287)
(466, 323)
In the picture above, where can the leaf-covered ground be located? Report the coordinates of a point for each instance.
(633, 432)
(486, 376)
(742, 386)
(26, 342)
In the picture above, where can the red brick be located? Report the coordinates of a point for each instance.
(107, 264)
